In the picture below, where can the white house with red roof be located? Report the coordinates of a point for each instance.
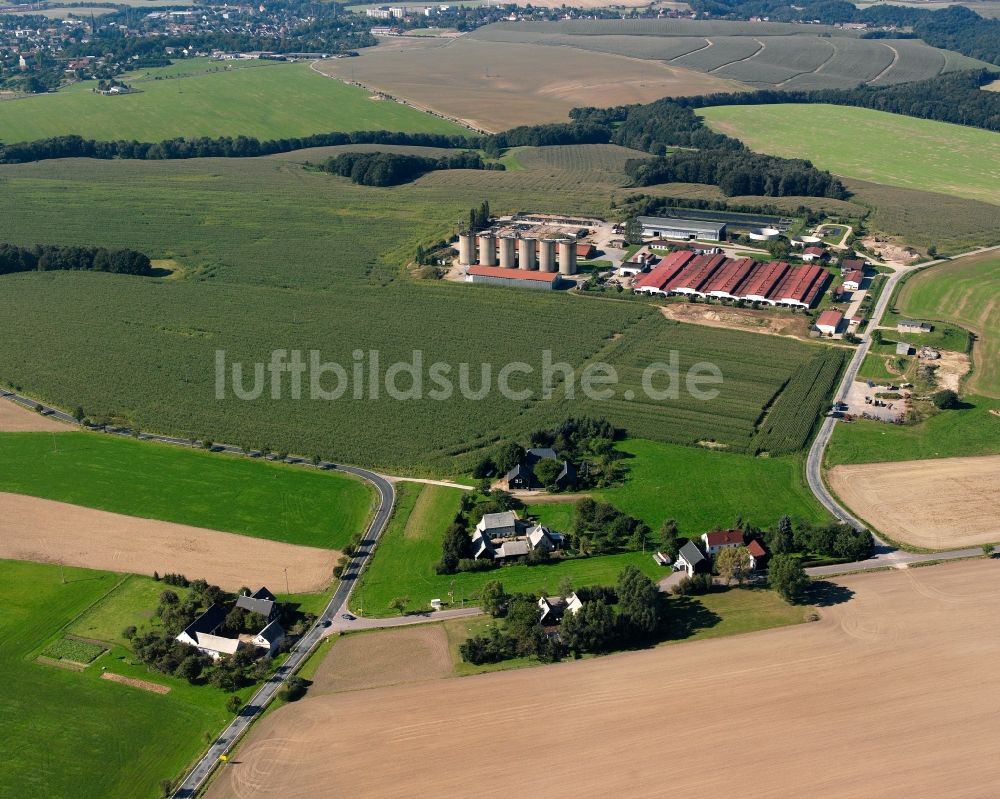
(853, 280)
(811, 254)
(718, 540)
(758, 555)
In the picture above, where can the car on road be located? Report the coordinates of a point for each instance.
(347, 617)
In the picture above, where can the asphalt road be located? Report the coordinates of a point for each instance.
(338, 602)
(885, 553)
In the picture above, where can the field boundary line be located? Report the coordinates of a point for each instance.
(738, 60)
(895, 60)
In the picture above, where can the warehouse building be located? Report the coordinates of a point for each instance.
(682, 228)
(516, 278)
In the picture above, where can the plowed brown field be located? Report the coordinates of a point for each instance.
(55, 532)
(935, 504)
(16, 419)
(891, 694)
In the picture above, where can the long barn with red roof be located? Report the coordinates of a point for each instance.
(774, 283)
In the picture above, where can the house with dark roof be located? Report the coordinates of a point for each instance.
(522, 476)
(554, 608)
(204, 632)
(261, 601)
(516, 541)
(718, 540)
(691, 559)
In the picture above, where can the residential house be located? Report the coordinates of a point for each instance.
(758, 555)
(522, 476)
(811, 254)
(717, 540)
(497, 525)
(261, 601)
(504, 537)
(849, 265)
(853, 280)
(554, 608)
(204, 632)
(691, 559)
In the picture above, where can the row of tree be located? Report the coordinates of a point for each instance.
(220, 147)
(50, 258)
(392, 169)
(738, 172)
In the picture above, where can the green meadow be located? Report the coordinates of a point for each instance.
(964, 292)
(70, 733)
(267, 100)
(872, 145)
(411, 545)
(973, 430)
(158, 481)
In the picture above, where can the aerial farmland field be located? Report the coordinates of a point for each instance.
(758, 54)
(872, 146)
(966, 292)
(70, 733)
(867, 658)
(261, 269)
(202, 98)
(160, 481)
(495, 85)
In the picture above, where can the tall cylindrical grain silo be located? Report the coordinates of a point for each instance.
(487, 249)
(547, 255)
(526, 253)
(466, 249)
(567, 257)
(507, 244)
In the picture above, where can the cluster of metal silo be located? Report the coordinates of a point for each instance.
(517, 252)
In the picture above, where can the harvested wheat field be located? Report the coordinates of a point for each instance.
(15, 418)
(937, 504)
(889, 695)
(495, 86)
(55, 532)
(390, 657)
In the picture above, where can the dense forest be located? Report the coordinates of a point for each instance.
(545, 136)
(50, 258)
(391, 169)
(221, 147)
(738, 173)
(953, 28)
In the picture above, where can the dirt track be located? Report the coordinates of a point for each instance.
(50, 532)
(936, 504)
(16, 419)
(892, 694)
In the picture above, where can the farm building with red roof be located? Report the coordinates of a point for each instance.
(727, 281)
(829, 322)
(800, 286)
(659, 276)
(718, 540)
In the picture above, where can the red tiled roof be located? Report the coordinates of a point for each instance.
(696, 274)
(659, 276)
(764, 279)
(831, 318)
(755, 549)
(814, 251)
(799, 285)
(719, 537)
(513, 274)
(854, 277)
(730, 276)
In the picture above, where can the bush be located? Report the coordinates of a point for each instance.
(946, 400)
(693, 586)
(293, 689)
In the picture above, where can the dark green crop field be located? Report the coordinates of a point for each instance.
(272, 257)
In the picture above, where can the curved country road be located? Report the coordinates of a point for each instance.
(885, 554)
(387, 499)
